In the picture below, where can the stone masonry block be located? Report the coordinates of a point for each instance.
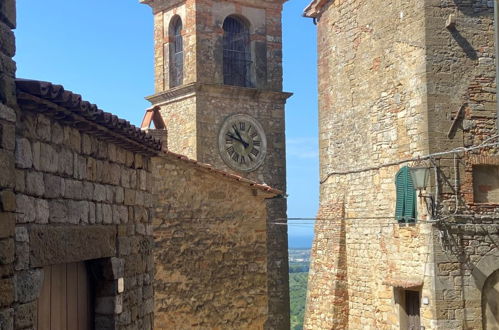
(63, 244)
(107, 214)
(6, 251)
(7, 65)
(43, 128)
(42, 211)
(129, 197)
(6, 292)
(54, 186)
(72, 138)
(34, 183)
(91, 213)
(7, 224)
(7, 131)
(80, 167)
(58, 211)
(25, 208)
(119, 195)
(22, 234)
(20, 181)
(65, 165)
(7, 179)
(115, 174)
(7, 90)
(28, 284)
(99, 193)
(8, 13)
(88, 190)
(24, 157)
(22, 256)
(7, 319)
(73, 189)
(57, 133)
(7, 113)
(109, 305)
(49, 158)
(36, 149)
(26, 315)
(8, 201)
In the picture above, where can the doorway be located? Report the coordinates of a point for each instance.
(65, 300)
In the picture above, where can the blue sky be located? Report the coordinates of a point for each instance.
(103, 50)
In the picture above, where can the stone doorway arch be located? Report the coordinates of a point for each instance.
(490, 302)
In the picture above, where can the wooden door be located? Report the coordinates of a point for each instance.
(412, 309)
(65, 300)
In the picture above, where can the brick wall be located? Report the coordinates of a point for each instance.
(7, 177)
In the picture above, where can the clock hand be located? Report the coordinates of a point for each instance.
(238, 139)
(241, 139)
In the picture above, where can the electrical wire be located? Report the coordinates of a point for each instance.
(414, 159)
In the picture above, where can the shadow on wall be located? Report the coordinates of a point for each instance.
(464, 44)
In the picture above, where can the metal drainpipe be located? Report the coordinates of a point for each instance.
(496, 29)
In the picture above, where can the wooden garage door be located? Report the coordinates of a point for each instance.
(65, 299)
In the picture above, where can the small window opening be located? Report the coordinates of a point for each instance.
(236, 53)
(405, 209)
(486, 184)
(176, 54)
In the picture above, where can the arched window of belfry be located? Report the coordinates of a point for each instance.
(236, 52)
(176, 52)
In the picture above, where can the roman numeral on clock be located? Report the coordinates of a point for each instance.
(257, 143)
(254, 152)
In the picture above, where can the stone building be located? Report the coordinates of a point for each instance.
(99, 223)
(218, 87)
(406, 84)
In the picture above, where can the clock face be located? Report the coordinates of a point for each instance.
(242, 143)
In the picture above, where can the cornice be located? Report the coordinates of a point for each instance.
(315, 8)
(225, 91)
(162, 5)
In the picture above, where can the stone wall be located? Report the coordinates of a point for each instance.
(7, 177)
(394, 84)
(210, 249)
(81, 198)
(372, 111)
(194, 112)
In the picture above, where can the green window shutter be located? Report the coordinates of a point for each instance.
(400, 189)
(405, 208)
(410, 199)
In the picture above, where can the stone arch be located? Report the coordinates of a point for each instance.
(488, 264)
(490, 302)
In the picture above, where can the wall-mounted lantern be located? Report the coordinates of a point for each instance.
(420, 176)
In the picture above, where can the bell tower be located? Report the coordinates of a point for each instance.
(218, 87)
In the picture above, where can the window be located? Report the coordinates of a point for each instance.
(405, 210)
(176, 53)
(236, 53)
(486, 184)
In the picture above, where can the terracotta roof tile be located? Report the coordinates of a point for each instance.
(235, 177)
(53, 100)
(56, 102)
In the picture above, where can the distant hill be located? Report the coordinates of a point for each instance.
(299, 263)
